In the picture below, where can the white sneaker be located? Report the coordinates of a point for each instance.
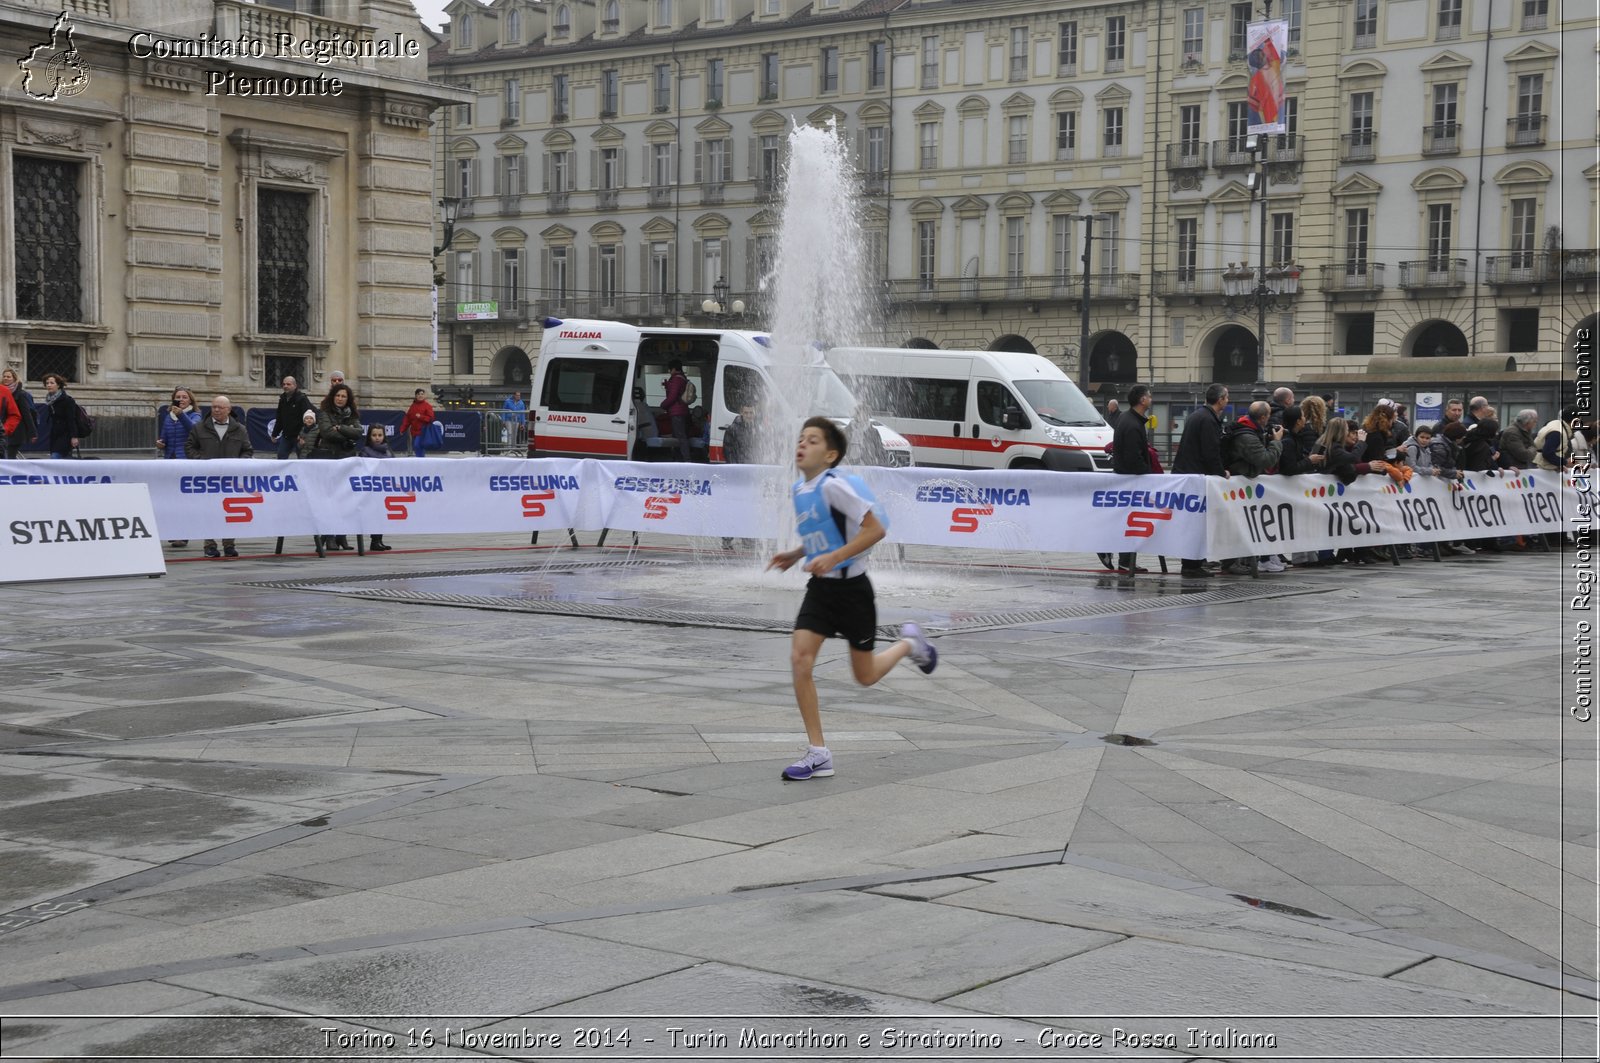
(923, 653)
(1272, 564)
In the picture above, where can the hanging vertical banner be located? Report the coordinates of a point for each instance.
(1266, 44)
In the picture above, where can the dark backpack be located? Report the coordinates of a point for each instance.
(85, 425)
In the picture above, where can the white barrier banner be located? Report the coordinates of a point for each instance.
(226, 498)
(1038, 510)
(423, 496)
(1275, 514)
(747, 501)
(1177, 516)
(59, 531)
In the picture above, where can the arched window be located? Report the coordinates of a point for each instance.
(514, 27)
(613, 17)
(464, 31)
(563, 21)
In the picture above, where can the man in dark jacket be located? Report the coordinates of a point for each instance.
(220, 435)
(1130, 455)
(292, 407)
(1200, 453)
(1282, 399)
(1480, 446)
(1250, 446)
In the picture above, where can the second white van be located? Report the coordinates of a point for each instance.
(979, 409)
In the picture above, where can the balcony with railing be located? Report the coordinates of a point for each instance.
(1442, 138)
(559, 202)
(1525, 131)
(1358, 147)
(1433, 273)
(712, 193)
(1107, 287)
(1519, 267)
(265, 24)
(1361, 279)
(606, 198)
(1186, 155)
(661, 195)
(1233, 282)
(1283, 148)
(875, 182)
(1231, 154)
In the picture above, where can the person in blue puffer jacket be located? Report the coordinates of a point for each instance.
(172, 432)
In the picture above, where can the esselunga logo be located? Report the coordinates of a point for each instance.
(1322, 490)
(966, 494)
(389, 485)
(663, 485)
(236, 485)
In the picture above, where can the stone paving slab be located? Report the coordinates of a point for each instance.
(1352, 816)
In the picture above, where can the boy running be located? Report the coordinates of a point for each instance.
(837, 527)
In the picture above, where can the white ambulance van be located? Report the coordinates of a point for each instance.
(599, 386)
(979, 409)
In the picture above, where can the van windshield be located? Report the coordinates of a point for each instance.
(816, 391)
(1059, 402)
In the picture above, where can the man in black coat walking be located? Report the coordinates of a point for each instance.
(292, 407)
(1200, 453)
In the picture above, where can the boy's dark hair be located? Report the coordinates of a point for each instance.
(833, 435)
(674, 365)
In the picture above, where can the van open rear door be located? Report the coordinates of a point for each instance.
(584, 404)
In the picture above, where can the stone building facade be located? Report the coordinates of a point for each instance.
(1435, 193)
(188, 199)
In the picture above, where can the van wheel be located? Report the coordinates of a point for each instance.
(1027, 463)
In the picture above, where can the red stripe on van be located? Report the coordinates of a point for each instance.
(580, 445)
(964, 443)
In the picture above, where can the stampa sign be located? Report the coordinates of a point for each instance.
(78, 531)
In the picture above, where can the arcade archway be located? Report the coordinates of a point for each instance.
(1012, 342)
(512, 369)
(1439, 339)
(1234, 354)
(1113, 359)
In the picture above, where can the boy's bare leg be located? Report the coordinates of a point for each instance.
(802, 659)
(869, 667)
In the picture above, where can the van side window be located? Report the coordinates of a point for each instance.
(927, 398)
(993, 401)
(584, 385)
(743, 387)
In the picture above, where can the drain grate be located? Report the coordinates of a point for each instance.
(587, 601)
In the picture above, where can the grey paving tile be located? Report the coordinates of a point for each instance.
(890, 945)
(1139, 977)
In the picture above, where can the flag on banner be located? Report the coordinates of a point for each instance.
(1267, 43)
(435, 326)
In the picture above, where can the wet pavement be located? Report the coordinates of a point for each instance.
(510, 802)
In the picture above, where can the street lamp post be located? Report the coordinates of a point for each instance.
(1257, 145)
(449, 208)
(718, 306)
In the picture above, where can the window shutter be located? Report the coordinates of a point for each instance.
(754, 157)
(672, 162)
(861, 149)
(622, 168)
(547, 166)
(594, 274)
(522, 173)
(672, 266)
(500, 164)
(545, 273)
(644, 267)
(727, 159)
(649, 170)
(477, 274)
(594, 168)
(749, 264)
(699, 152)
(497, 259)
(699, 268)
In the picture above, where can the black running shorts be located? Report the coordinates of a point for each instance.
(845, 608)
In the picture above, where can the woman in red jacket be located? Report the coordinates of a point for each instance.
(416, 421)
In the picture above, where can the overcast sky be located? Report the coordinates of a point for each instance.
(432, 11)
